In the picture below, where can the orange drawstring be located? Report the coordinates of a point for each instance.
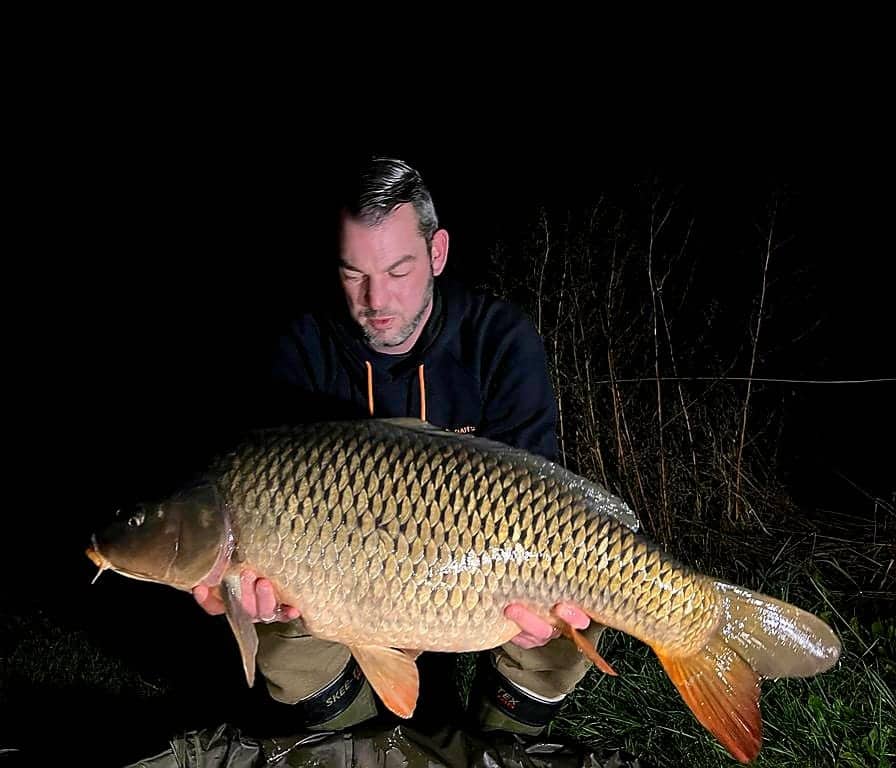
(420, 377)
(422, 393)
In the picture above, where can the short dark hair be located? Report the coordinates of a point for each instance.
(381, 184)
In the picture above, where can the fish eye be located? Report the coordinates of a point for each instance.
(136, 520)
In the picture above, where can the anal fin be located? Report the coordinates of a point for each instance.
(241, 623)
(392, 674)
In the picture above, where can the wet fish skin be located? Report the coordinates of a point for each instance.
(394, 534)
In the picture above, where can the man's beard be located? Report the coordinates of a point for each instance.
(405, 332)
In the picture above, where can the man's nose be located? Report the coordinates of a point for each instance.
(376, 293)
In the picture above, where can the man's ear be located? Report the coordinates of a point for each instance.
(439, 251)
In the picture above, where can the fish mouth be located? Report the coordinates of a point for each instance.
(96, 558)
(104, 565)
(93, 552)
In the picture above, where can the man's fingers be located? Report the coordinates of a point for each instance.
(535, 631)
(247, 593)
(534, 627)
(572, 615)
(257, 598)
(266, 601)
(209, 601)
(527, 641)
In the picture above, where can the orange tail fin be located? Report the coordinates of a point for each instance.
(758, 636)
(723, 693)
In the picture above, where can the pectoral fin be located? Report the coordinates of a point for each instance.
(392, 674)
(241, 624)
(583, 645)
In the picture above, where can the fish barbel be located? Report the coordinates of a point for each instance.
(395, 537)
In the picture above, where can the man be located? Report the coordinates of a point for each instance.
(406, 342)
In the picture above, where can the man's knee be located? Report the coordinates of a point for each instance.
(321, 679)
(521, 690)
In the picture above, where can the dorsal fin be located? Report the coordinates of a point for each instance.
(416, 425)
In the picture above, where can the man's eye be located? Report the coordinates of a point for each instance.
(351, 277)
(398, 274)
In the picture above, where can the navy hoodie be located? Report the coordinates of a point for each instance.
(478, 367)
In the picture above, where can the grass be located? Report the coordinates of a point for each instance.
(845, 717)
(46, 653)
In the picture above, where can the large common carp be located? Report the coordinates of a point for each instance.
(394, 537)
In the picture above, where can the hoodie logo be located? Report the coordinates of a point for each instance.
(465, 430)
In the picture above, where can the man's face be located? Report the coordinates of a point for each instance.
(387, 276)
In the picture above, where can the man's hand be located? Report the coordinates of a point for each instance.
(257, 598)
(535, 630)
